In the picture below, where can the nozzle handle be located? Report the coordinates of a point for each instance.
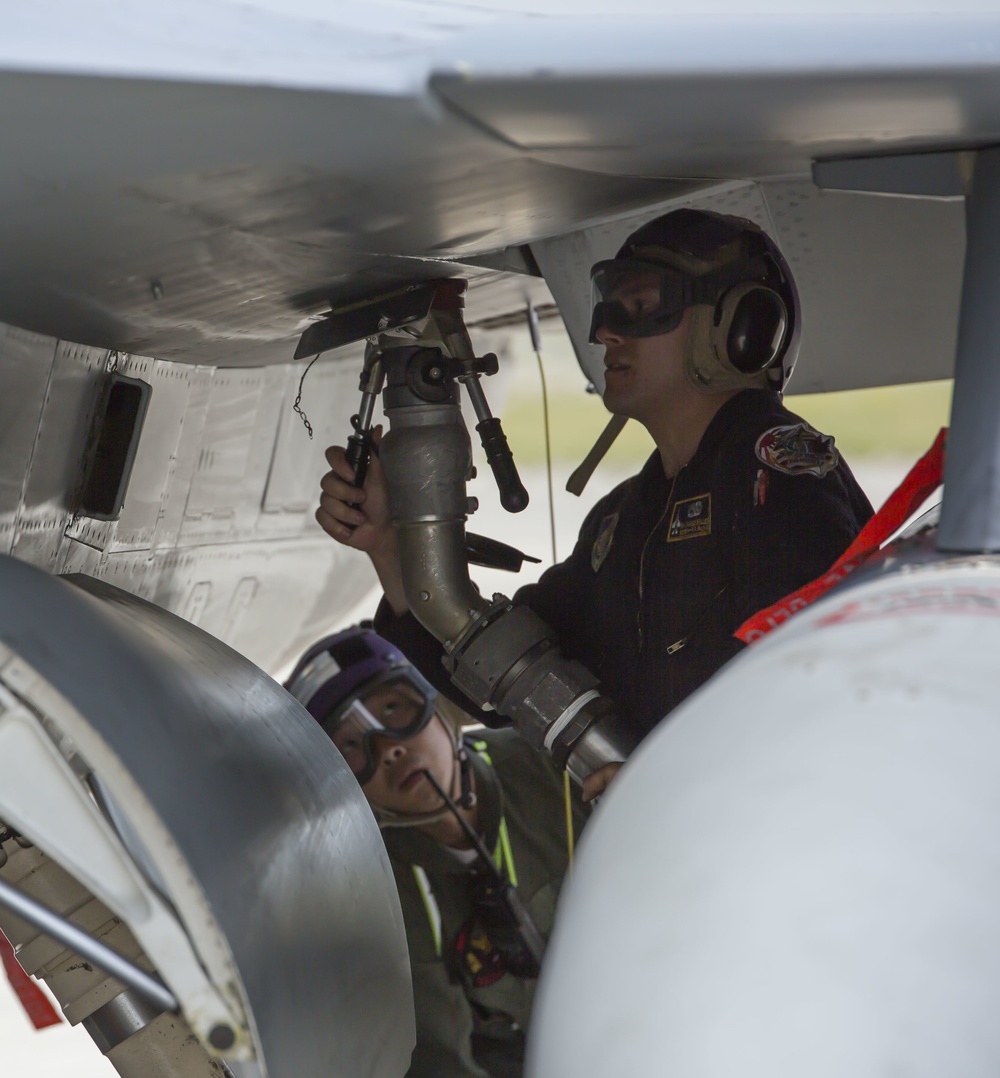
(359, 455)
(359, 444)
(513, 496)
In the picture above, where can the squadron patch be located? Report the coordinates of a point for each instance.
(691, 519)
(602, 544)
(797, 449)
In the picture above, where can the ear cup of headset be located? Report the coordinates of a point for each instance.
(750, 327)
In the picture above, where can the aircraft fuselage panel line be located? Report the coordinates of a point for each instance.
(970, 510)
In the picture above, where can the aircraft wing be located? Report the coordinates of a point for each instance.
(197, 186)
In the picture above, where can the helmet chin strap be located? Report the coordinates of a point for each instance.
(386, 818)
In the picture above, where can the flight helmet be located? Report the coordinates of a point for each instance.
(745, 309)
(358, 686)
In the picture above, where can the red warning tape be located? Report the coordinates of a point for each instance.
(924, 478)
(33, 999)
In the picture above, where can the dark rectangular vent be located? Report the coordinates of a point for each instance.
(115, 441)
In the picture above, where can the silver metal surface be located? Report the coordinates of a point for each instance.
(935, 175)
(970, 509)
(250, 222)
(600, 745)
(436, 578)
(428, 455)
(71, 394)
(558, 123)
(86, 946)
(764, 94)
(119, 1019)
(257, 802)
(194, 513)
(26, 362)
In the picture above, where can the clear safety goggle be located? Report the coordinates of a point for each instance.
(395, 708)
(636, 297)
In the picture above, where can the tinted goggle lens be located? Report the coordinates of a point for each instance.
(635, 298)
(396, 708)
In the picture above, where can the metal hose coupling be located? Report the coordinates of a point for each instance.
(508, 658)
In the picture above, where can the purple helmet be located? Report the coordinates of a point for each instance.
(358, 686)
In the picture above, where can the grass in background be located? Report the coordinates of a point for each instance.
(575, 420)
(897, 421)
(893, 421)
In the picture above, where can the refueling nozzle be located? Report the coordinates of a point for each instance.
(503, 657)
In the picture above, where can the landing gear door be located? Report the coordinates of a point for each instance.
(205, 808)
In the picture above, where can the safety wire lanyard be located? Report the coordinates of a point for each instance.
(503, 857)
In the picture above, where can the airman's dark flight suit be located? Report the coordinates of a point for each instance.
(666, 569)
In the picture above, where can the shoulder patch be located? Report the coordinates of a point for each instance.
(602, 544)
(797, 449)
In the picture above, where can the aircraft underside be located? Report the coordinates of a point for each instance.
(798, 878)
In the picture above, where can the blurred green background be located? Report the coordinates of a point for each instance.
(894, 421)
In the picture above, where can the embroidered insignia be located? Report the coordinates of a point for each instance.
(602, 544)
(797, 449)
(691, 519)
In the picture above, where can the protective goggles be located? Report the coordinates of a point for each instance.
(398, 706)
(636, 297)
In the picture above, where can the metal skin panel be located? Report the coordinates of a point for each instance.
(229, 221)
(25, 365)
(797, 869)
(759, 94)
(239, 212)
(257, 802)
(230, 472)
(304, 587)
(167, 417)
(330, 395)
(970, 513)
(197, 383)
(54, 472)
(253, 566)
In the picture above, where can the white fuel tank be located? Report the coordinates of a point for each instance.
(799, 873)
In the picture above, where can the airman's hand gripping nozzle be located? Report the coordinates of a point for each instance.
(359, 444)
(501, 656)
